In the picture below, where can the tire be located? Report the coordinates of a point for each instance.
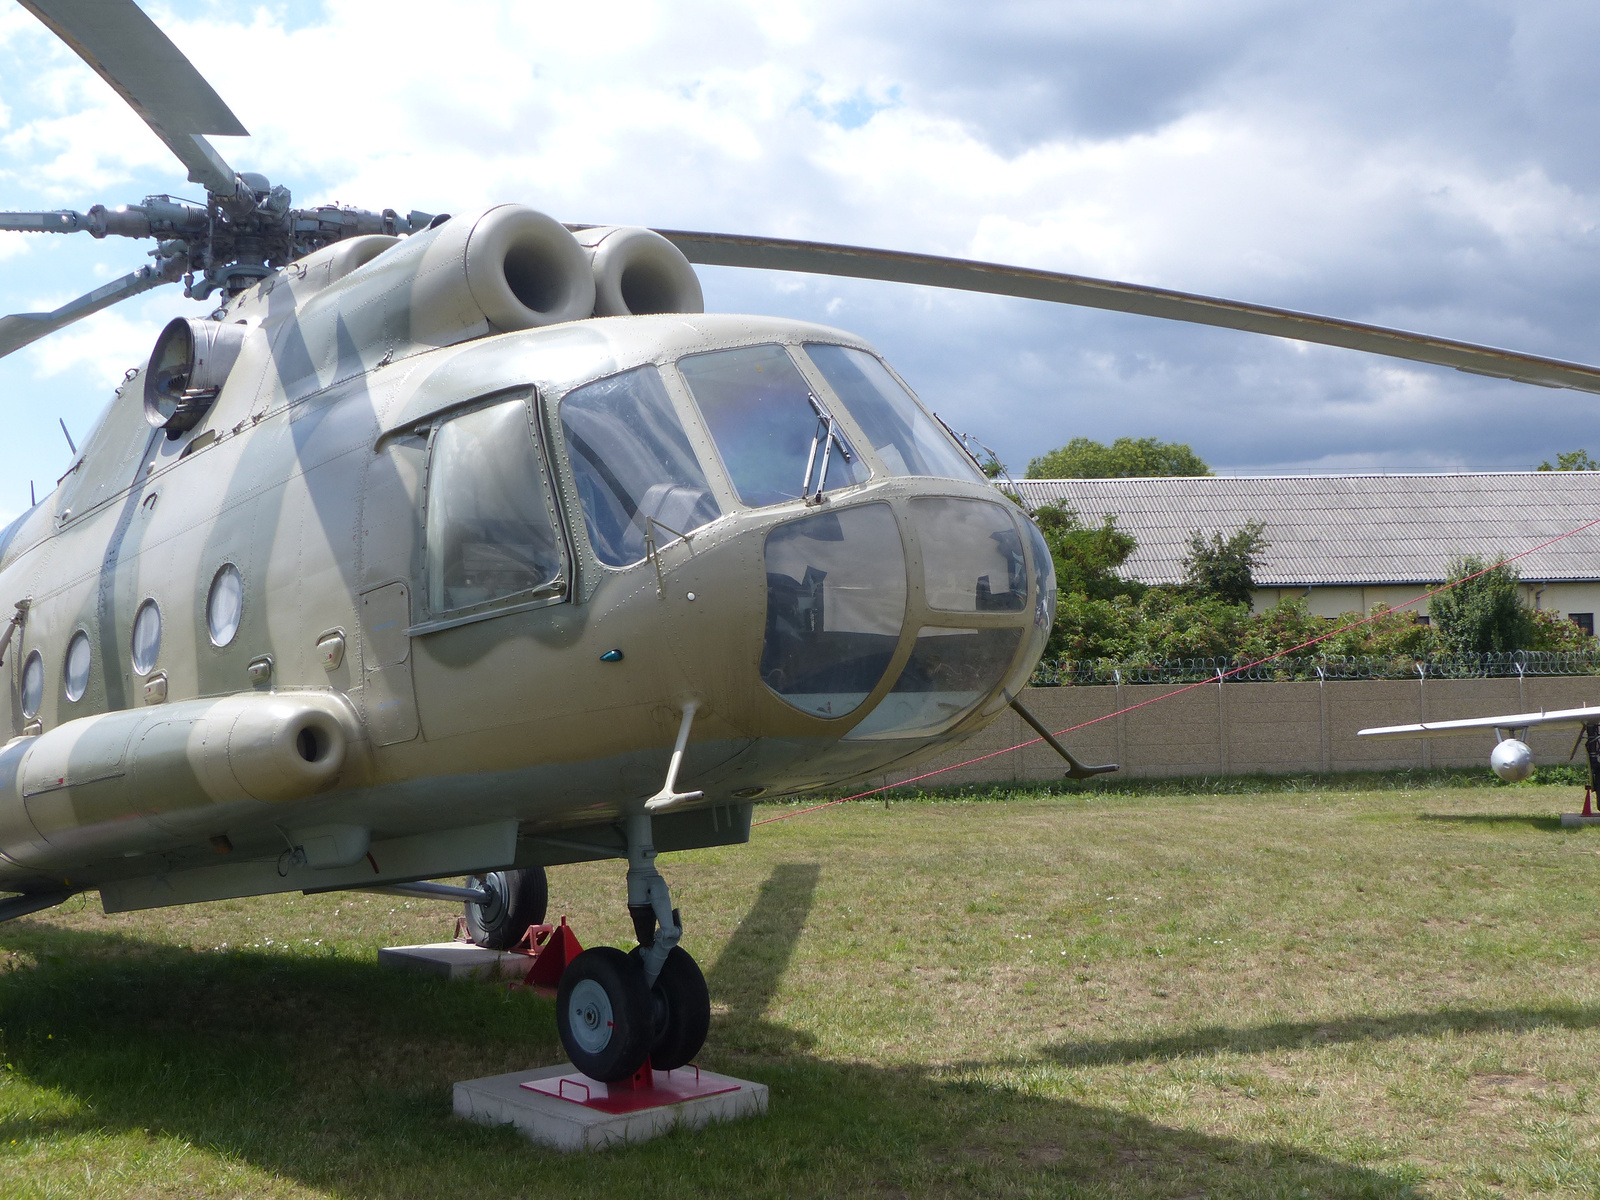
(603, 1014)
(517, 902)
(680, 1010)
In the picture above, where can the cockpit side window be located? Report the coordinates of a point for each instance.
(633, 464)
(907, 440)
(491, 533)
(769, 426)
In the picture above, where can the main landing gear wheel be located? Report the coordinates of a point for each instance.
(680, 1009)
(603, 1014)
(517, 902)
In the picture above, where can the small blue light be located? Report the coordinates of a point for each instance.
(611, 656)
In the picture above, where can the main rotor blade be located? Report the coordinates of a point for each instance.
(61, 221)
(19, 329)
(128, 50)
(860, 262)
(128, 221)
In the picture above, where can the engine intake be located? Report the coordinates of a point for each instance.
(638, 272)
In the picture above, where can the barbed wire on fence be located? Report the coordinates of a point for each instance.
(1088, 672)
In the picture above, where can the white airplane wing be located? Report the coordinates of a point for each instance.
(1566, 716)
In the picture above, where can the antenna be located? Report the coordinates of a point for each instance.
(33, 501)
(67, 435)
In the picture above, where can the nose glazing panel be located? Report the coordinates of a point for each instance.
(971, 555)
(836, 602)
(1044, 605)
(949, 672)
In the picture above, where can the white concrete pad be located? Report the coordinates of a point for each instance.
(569, 1125)
(456, 960)
(1577, 820)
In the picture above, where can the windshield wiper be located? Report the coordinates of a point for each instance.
(827, 435)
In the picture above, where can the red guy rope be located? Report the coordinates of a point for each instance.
(1187, 687)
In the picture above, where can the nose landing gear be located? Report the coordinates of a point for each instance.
(616, 1011)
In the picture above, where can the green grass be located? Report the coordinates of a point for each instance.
(1113, 993)
(1561, 775)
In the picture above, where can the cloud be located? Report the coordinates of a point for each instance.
(1427, 167)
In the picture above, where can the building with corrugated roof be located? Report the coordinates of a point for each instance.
(1349, 542)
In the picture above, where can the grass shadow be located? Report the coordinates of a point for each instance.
(335, 1074)
(1294, 1035)
(1545, 823)
(747, 973)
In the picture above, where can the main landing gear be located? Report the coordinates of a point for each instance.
(517, 902)
(617, 1011)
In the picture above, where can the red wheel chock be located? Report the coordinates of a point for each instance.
(551, 947)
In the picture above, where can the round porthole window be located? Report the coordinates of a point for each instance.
(224, 605)
(146, 637)
(76, 674)
(32, 684)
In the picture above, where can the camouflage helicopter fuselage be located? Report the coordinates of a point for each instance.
(410, 679)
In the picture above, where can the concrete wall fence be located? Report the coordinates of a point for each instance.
(1262, 728)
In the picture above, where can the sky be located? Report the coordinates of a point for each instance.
(1422, 164)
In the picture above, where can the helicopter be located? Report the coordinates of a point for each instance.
(470, 545)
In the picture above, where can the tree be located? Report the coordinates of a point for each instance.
(1162, 624)
(1083, 458)
(1223, 567)
(1552, 631)
(1484, 612)
(1086, 557)
(1578, 460)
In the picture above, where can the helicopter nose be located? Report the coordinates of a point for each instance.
(844, 588)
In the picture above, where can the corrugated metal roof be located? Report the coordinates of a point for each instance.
(1350, 529)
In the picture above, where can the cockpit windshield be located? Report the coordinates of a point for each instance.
(633, 465)
(775, 437)
(907, 440)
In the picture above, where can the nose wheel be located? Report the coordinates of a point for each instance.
(611, 1023)
(680, 1010)
(615, 1011)
(603, 1014)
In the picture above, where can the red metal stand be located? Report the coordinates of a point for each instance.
(552, 948)
(644, 1077)
(647, 1089)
